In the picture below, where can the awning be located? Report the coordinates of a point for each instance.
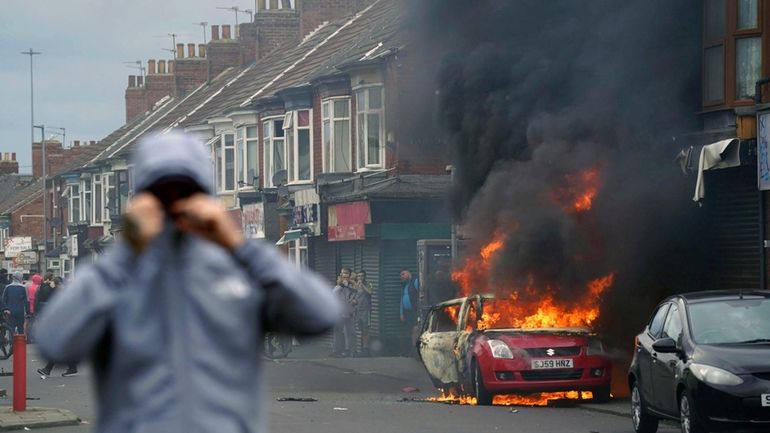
(722, 154)
(288, 236)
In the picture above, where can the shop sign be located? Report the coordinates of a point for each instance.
(73, 245)
(16, 244)
(347, 221)
(26, 258)
(763, 150)
(253, 218)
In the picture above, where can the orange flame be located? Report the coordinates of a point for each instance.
(541, 399)
(580, 191)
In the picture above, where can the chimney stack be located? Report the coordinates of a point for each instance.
(202, 51)
(13, 156)
(93, 142)
(190, 50)
(170, 66)
(215, 33)
(161, 66)
(180, 51)
(76, 143)
(226, 31)
(151, 67)
(132, 81)
(139, 81)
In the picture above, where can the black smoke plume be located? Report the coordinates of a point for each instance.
(534, 94)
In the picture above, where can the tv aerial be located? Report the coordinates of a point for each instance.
(137, 65)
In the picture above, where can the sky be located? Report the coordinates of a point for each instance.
(81, 76)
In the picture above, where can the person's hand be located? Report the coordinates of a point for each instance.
(402, 317)
(143, 221)
(204, 215)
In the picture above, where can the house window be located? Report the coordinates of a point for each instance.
(96, 216)
(299, 145)
(369, 115)
(74, 205)
(274, 147)
(85, 209)
(224, 158)
(251, 156)
(748, 14)
(109, 194)
(335, 120)
(119, 199)
(298, 252)
(748, 66)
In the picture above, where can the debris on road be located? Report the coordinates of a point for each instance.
(340, 408)
(296, 399)
(410, 389)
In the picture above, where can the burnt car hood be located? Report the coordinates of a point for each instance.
(538, 338)
(738, 359)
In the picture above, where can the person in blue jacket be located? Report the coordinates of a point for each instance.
(15, 301)
(172, 318)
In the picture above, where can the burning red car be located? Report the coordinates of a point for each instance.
(469, 345)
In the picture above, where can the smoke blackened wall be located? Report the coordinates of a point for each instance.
(536, 95)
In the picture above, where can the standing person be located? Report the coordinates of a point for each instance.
(409, 309)
(4, 277)
(15, 300)
(32, 288)
(343, 332)
(172, 316)
(47, 290)
(362, 302)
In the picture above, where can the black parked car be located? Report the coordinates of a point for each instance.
(704, 359)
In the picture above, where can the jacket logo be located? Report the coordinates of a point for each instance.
(550, 352)
(232, 288)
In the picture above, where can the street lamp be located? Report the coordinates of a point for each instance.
(45, 190)
(31, 54)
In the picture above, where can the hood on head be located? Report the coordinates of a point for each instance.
(172, 155)
(17, 277)
(37, 279)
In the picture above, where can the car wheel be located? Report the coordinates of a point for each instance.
(643, 422)
(601, 395)
(687, 415)
(483, 397)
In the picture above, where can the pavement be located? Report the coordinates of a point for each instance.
(35, 417)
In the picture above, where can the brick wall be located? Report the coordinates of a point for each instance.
(190, 73)
(136, 100)
(313, 13)
(223, 54)
(8, 164)
(57, 157)
(158, 86)
(28, 221)
(272, 29)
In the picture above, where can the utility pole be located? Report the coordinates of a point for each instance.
(31, 53)
(63, 133)
(45, 194)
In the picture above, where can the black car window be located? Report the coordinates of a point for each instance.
(656, 324)
(673, 327)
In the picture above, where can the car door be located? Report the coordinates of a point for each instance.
(438, 342)
(664, 365)
(644, 351)
(469, 316)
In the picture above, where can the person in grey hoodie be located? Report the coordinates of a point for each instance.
(172, 318)
(15, 300)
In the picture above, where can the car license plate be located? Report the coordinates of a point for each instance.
(540, 364)
(766, 400)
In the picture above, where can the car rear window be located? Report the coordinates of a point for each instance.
(730, 321)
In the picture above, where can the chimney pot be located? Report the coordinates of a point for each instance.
(215, 32)
(93, 142)
(170, 66)
(180, 51)
(139, 81)
(202, 51)
(76, 143)
(132, 81)
(190, 50)
(151, 67)
(161, 66)
(13, 156)
(226, 31)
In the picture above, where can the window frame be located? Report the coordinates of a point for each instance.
(268, 145)
(298, 252)
(220, 149)
(74, 203)
(245, 159)
(329, 114)
(97, 190)
(86, 200)
(292, 133)
(362, 117)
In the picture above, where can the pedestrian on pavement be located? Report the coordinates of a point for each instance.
(172, 316)
(15, 301)
(4, 277)
(343, 332)
(44, 295)
(362, 302)
(409, 309)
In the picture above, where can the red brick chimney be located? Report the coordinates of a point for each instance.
(215, 33)
(226, 31)
(180, 51)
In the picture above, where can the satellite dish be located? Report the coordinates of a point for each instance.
(280, 178)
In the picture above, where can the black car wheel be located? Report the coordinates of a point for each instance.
(643, 421)
(688, 416)
(483, 397)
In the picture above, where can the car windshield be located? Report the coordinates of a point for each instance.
(737, 321)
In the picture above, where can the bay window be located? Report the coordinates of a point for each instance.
(297, 125)
(96, 216)
(74, 204)
(85, 209)
(335, 121)
(224, 163)
(370, 128)
(274, 148)
(249, 167)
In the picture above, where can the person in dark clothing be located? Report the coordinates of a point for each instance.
(409, 309)
(4, 277)
(15, 300)
(44, 295)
